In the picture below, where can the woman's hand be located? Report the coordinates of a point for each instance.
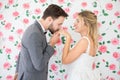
(65, 33)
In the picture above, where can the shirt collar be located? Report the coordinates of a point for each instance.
(42, 26)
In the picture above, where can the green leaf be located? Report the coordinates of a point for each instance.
(51, 76)
(106, 66)
(114, 71)
(35, 1)
(96, 54)
(118, 36)
(15, 5)
(0, 76)
(94, 4)
(100, 43)
(68, 4)
(108, 51)
(6, 6)
(104, 13)
(118, 47)
(97, 66)
(103, 34)
(33, 17)
(118, 17)
(1, 51)
(59, 61)
(116, 31)
(98, 63)
(103, 22)
(110, 23)
(56, 61)
(108, 41)
(50, 70)
(107, 62)
(38, 17)
(103, 42)
(61, 71)
(3, 23)
(9, 57)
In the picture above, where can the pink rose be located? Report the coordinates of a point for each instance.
(15, 14)
(109, 6)
(116, 55)
(118, 26)
(8, 50)
(61, 1)
(26, 6)
(58, 79)
(55, 52)
(54, 67)
(75, 15)
(67, 10)
(19, 46)
(103, 60)
(10, 2)
(65, 77)
(95, 12)
(6, 65)
(100, 38)
(9, 77)
(117, 13)
(8, 26)
(1, 4)
(42, 1)
(25, 21)
(111, 78)
(1, 34)
(99, 24)
(59, 42)
(11, 38)
(37, 11)
(115, 41)
(20, 31)
(1, 17)
(16, 57)
(84, 4)
(112, 67)
(118, 72)
(93, 66)
(102, 49)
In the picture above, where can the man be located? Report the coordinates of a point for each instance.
(35, 52)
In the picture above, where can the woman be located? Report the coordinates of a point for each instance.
(81, 58)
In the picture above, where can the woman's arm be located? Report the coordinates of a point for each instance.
(68, 55)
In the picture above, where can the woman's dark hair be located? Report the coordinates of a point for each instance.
(54, 11)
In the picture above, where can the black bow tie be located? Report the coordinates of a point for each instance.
(45, 32)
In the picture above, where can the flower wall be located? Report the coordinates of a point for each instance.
(17, 15)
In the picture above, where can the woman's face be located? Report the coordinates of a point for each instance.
(79, 24)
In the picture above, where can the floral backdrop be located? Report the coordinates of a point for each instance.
(17, 15)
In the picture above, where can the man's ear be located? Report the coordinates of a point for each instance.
(49, 20)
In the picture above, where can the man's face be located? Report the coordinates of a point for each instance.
(56, 24)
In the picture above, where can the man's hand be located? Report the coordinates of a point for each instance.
(54, 39)
(15, 76)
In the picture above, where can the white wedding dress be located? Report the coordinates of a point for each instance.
(82, 68)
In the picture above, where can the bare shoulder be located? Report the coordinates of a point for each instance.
(83, 44)
(83, 41)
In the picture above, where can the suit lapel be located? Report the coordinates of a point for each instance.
(39, 27)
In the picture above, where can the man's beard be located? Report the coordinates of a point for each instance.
(51, 29)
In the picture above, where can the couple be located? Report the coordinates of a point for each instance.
(35, 51)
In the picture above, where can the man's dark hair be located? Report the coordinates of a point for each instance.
(54, 11)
